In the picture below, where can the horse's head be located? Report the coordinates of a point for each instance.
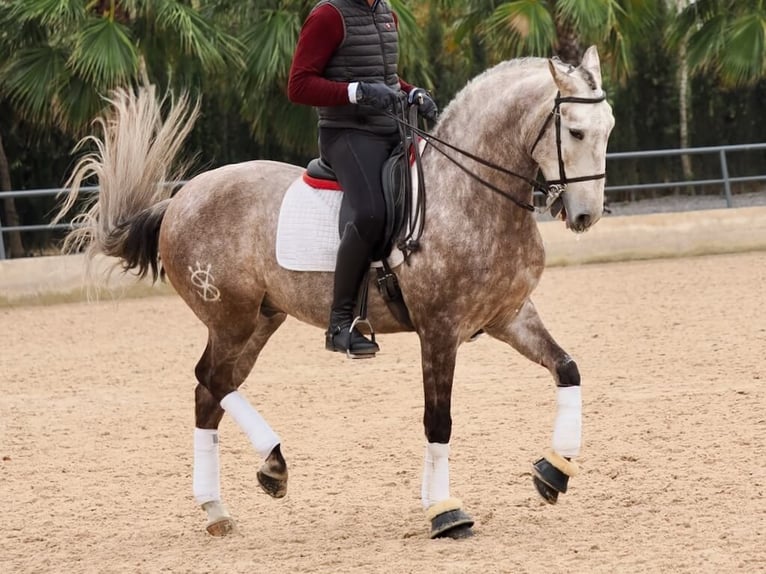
(571, 146)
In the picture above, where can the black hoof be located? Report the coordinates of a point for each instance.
(274, 487)
(457, 533)
(549, 495)
(454, 524)
(549, 480)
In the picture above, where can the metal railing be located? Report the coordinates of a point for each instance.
(726, 180)
(35, 227)
(720, 151)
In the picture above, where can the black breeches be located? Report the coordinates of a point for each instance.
(357, 158)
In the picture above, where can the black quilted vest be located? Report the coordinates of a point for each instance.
(368, 53)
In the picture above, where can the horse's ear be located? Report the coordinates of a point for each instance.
(561, 73)
(591, 62)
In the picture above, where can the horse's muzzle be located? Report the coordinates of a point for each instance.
(580, 222)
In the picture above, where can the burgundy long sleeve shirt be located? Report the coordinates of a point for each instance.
(320, 36)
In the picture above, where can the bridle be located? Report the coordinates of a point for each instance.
(558, 186)
(552, 189)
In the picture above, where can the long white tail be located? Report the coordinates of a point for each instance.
(134, 158)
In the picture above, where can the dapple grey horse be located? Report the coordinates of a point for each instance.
(479, 261)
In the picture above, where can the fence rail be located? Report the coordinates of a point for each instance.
(726, 180)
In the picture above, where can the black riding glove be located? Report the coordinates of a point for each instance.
(378, 96)
(425, 103)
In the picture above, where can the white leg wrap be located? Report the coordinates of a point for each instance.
(250, 420)
(435, 486)
(206, 478)
(567, 430)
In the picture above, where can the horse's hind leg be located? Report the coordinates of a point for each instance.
(226, 362)
(206, 477)
(525, 332)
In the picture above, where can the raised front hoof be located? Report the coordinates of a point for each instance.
(220, 527)
(551, 475)
(273, 486)
(449, 521)
(549, 495)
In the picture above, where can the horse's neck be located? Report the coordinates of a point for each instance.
(499, 132)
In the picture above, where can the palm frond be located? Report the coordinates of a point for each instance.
(269, 47)
(626, 24)
(706, 43)
(17, 33)
(587, 16)
(104, 53)
(50, 13)
(689, 20)
(742, 55)
(213, 48)
(522, 27)
(413, 64)
(31, 80)
(723, 37)
(77, 103)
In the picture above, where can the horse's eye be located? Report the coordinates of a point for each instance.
(577, 134)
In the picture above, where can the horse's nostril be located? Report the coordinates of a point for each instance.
(583, 221)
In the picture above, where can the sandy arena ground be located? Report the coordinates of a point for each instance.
(96, 421)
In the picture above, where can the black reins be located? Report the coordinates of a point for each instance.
(552, 188)
(430, 139)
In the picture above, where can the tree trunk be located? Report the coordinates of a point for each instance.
(567, 40)
(683, 111)
(15, 247)
(682, 79)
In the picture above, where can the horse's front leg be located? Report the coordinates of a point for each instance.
(525, 332)
(439, 350)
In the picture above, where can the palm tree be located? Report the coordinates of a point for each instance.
(58, 58)
(724, 37)
(66, 54)
(561, 27)
(682, 80)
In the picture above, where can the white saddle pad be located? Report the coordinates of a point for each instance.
(307, 231)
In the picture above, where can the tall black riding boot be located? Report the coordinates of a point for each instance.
(350, 269)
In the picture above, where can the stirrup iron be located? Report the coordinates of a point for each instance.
(359, 320)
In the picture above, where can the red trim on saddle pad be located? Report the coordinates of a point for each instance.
(333, 185)
(317, 183)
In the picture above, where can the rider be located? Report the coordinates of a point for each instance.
(345, 64)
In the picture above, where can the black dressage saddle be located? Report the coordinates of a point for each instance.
(394, 172)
